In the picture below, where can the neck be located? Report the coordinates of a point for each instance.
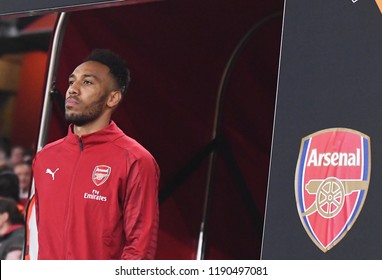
(91, 127)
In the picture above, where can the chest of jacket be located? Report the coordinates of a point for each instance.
(72, 181)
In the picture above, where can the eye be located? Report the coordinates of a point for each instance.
(87, 82)
(71, 82)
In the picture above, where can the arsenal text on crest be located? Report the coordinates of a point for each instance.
(335, 159)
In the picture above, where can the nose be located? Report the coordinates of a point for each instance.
(72, 89)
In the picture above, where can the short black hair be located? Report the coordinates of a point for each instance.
(116, 64)
(9, 206)
(9, 185)
(5, 145)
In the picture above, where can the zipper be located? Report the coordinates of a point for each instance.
(81, 144)
(69, 211)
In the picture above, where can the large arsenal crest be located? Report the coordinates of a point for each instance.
(100, 174)
(331, 183)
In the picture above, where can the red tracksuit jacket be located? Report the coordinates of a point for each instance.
(96, 197)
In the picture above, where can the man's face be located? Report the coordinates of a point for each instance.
(24, 172)
(16, 155)
(89, 87)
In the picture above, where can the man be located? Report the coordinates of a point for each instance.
(11, 228)
(96, 190)
(9, 188)
(4, 153)
(17, 155)
(23, 171)
(9, 185)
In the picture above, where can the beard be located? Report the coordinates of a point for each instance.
(88, 115)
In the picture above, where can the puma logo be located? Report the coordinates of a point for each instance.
(48, 171)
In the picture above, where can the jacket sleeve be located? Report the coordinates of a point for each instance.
(141, 210)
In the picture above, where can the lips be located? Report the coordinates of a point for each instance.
(69, 102)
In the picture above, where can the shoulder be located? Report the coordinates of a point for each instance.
(48, 149)
(51, 145)
(135, 151)
(16, 235)
(133, 147)
(14, 239)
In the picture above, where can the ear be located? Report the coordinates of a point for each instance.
(114, 98)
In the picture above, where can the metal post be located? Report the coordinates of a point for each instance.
(53, 65)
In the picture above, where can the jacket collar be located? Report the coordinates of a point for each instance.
(105, 135)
